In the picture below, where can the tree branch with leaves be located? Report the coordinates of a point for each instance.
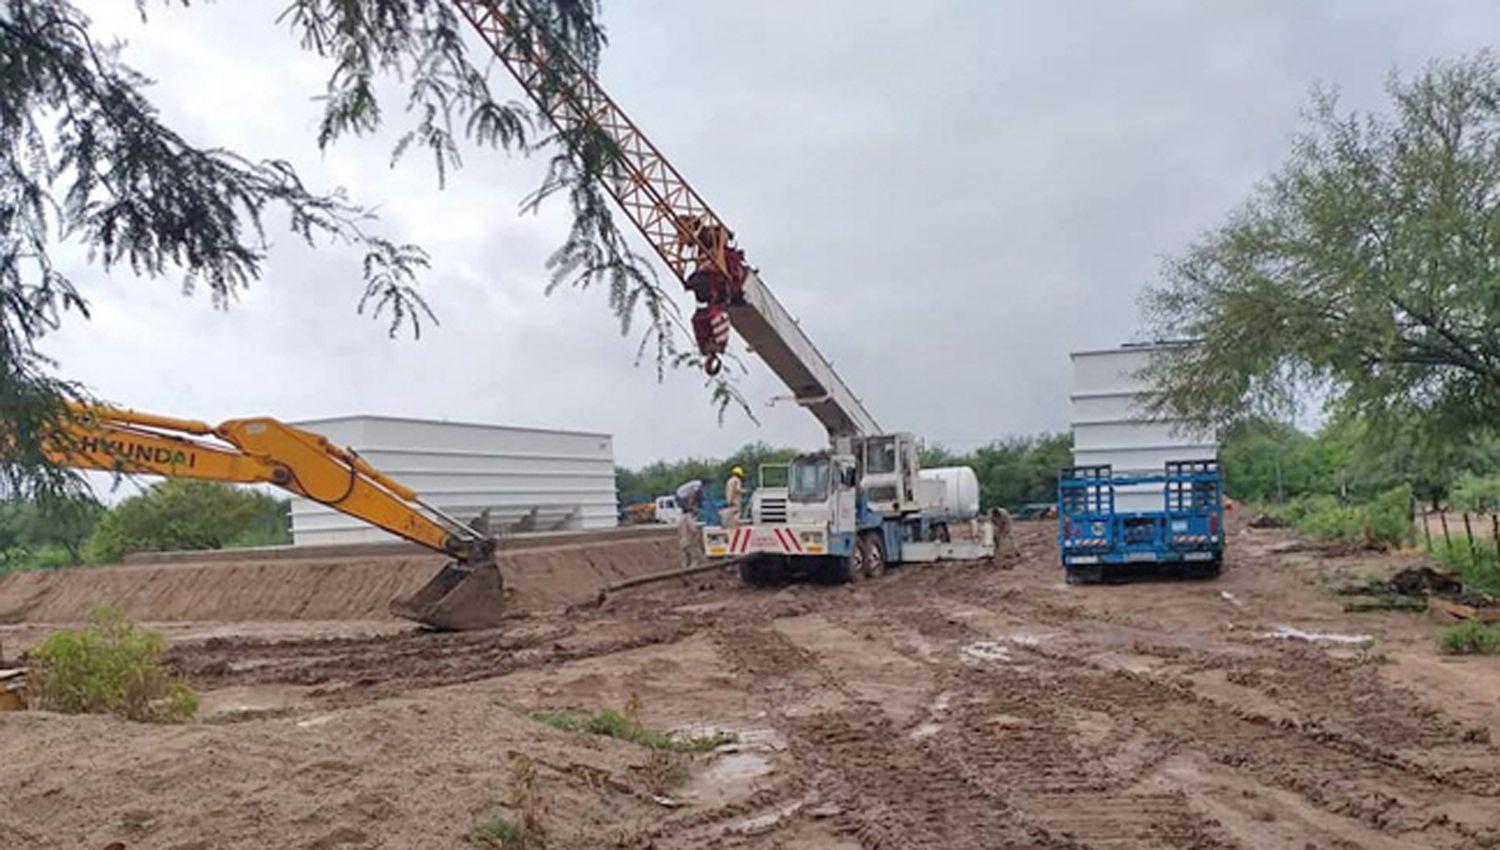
(86, 158)
(1365, 272)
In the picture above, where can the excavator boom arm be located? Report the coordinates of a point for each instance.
(260, 450)
(465, 594)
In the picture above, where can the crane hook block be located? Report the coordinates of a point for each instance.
(711, 331)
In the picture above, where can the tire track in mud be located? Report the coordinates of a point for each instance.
(1354, 747)
(1347, 760)
(989, 727)
(954, 775)
(404, 661)
(1049, 745)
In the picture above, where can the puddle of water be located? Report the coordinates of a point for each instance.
(731, 773)
(983, 651)
(766, 822)
(1285, 632)
(926, 730)
(736, 767)
(1024, 639)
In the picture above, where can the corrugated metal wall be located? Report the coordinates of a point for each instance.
(530, 479)
(1109, 425)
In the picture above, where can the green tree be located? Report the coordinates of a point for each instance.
(87, 157)
(64, 522)
(1265, 460)
(663, 477)
(1018, 471)
(1366, 271)
(1477, 492)
(179, 514)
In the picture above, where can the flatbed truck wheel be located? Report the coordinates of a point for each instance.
(1206, 570)
(1093, 574)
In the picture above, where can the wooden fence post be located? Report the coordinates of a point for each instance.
(1411, 522)
(1469, 531)
(1447, 540)
(1427, 529)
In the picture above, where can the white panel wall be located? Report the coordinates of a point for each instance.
(529, 479)
(1110, 426)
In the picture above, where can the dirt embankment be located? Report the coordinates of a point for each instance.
(347, 588)
(954, 706)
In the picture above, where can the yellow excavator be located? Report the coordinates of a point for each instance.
(468, 593)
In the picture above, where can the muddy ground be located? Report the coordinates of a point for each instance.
(961, 706)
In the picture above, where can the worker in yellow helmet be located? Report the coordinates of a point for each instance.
(734, 488)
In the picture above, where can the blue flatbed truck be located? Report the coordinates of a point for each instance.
(1096, 539)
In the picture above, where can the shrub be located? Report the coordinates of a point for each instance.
(1382, 522)
(110, 666)
(1301, 507)
(1472, 637)
(22, 558)
(1388, 517)
(1478, 568)
(1477, 492)
(497, 832)
(180, 514)
(1333, 522)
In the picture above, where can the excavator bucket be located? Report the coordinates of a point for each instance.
(461, 597)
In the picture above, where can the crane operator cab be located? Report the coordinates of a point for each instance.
(821, 487)
(890, 472)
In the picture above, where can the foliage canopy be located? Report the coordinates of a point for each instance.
(85, 156)
(1366, 271)
(184, 514)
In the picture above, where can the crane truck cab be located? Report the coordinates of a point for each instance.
(845, 513)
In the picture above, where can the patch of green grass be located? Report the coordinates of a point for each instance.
(621, 725)
(1478, 568)
(1373, 652)
(497, 832)
(1472, 637)
(1379, 523)
(110, 666)
(25, 558)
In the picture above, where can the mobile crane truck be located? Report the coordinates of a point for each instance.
(847, 511)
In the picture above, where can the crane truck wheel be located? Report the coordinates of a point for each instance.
(874, 555)
(852, 567)
(761, 572)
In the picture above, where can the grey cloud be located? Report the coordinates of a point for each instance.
(950, 195)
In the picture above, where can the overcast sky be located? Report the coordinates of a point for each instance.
(951, 196)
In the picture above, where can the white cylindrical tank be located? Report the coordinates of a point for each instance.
(960, 491)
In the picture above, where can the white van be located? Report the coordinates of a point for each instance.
(667, 510)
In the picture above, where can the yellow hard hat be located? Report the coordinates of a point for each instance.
(738, 472)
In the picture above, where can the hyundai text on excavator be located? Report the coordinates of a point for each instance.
(468, 593)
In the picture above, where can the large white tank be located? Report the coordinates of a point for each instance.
(955, 490)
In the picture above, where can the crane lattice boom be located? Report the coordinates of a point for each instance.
(679, 225)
